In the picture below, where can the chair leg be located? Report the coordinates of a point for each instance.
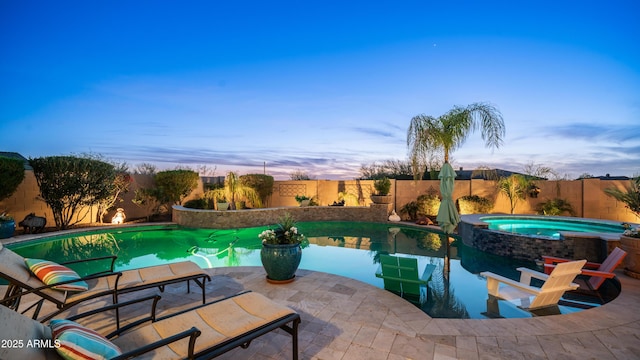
(294, 338)
(14, 295)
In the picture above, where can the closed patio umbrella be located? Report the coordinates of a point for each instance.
(448, 217)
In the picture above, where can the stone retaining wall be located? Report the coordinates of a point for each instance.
(571, 245)
(230, 219)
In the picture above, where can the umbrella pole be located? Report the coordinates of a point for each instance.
(447, 257)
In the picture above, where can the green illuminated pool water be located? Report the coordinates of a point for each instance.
(349, 249)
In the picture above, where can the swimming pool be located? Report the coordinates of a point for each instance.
(349, 249)
(550, 226)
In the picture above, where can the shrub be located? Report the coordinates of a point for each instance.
(172, 186)
(205, 204)
(428, 205)
(474, 204)
(382, 186)
(410, 209)
(555, 207)
(631, 195)
(262, 184)
(234, 191)
(11, 176)
(69, 184)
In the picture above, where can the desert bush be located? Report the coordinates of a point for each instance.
(428, 205)
(262, 184)
(11, 176)
(202, 203)
(555, 207)
(410, 210)
(474, 204)
(173, 186)
(70, 184)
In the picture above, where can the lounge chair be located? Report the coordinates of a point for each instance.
(202, 332)
(400, 276)
(106, 282)
(555, 285)
(596, 272)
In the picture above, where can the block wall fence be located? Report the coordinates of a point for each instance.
(586, 196)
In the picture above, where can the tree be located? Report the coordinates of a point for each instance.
(515, 188)
(299, 175)
(392, 169)
(69, 184)
(120, 185)
(145, 169)
(262, 184)
(11, 176)
(538, 170)
(630, 196)
(173, 186)
(234, 190)
(428, 135)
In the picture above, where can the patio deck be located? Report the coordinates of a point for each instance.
(343, 318)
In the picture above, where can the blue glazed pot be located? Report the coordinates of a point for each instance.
(281, 261)
(7, 228)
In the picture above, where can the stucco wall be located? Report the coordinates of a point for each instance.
(586, 196)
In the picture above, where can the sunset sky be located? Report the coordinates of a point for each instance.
(321, 87)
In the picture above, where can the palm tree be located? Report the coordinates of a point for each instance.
(631, 195)
(428, 135)
(515, 188)
(234, 190)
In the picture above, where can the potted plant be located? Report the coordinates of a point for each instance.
(234, 191)
(7, 226)
(281, 250)
(222, 204)
(382, 186)
(630, 242)
(303, 200)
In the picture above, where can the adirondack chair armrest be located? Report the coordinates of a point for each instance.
(526, 273)
(552, 260)
(493, 281)
(428, 271)
(604, 274)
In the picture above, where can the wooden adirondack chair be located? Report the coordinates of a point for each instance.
(555, 285)
(400, 275)
(597, 273)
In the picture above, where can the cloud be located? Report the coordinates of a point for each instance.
(590, 132)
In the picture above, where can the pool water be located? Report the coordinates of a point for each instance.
(349, 249)
(549, 226)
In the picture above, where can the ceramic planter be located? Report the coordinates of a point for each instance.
(7, 229)
(223, 206)
(281, 261)
(381, 199)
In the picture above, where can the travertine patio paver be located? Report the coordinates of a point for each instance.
(346, 319)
